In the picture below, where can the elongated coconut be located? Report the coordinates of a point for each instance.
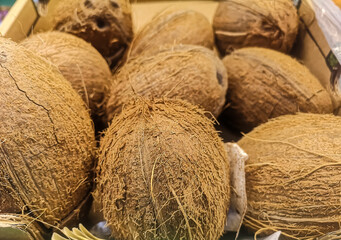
(106, 24)
(187, 72)
(80, 63)
(293, 175)
(264, 84)
(255, 23)
(173, 27)
(163, 173)
(46, 138)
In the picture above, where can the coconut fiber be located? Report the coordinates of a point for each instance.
(191, 73)
(264, 84)
(163, 173)
(293, 175)
(46, 138)
(80, 64)
(106, 24)
(260, 23)
(173, 27)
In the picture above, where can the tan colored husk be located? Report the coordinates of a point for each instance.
(331, 236)
(106, 24)
(186, 72)
(293, 175)
(25, 224)
(260, 23)
(264, 84)
(173, 27)
(163, 173)
(80, 63)
(47, 137)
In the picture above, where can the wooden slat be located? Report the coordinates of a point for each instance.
(19, 20)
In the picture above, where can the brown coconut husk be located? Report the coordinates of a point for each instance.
(173, 27)
(264, 84)
(331, 236)
(47, 137)
(187, 72)
(80, 63)
(293, 175)
(259, 23)
(163, 173)
(106, 24)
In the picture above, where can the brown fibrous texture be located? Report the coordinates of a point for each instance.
(106, 24)
(46, 138)
(81, 64)
(264, 84)
(293, 175)
(163, 173)
(255, 23)
(186, 72)
(173, 27)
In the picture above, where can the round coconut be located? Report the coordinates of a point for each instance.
(261, 23)
(264, 84)
(46, 138)
(106, 24)
(163, 173)
(293, 175)
(80, 64)
(187, 72)
(173, 27)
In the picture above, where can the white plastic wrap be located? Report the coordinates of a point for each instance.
(328, 16)
(238, 199)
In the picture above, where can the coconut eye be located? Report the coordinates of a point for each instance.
(220, 79)
(114, 4)
(101, 23)
(88, 4)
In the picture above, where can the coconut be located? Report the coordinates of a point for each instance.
(106, 24)
(46, 138)
(163, 173)
(259, 23)
(173, 27)
(80, 64)
(191, 73)
(293, 175)
(264, 84)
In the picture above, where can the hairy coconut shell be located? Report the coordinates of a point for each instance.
(80, 64)
(264, 84)
(187, 72)
(47, 137)
(173, 27)
(259, 23)
(163, 173)
(293, 175)
(106, 24)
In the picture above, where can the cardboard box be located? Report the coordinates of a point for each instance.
(311, 47)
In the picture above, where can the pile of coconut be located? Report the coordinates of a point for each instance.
(186, 129)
